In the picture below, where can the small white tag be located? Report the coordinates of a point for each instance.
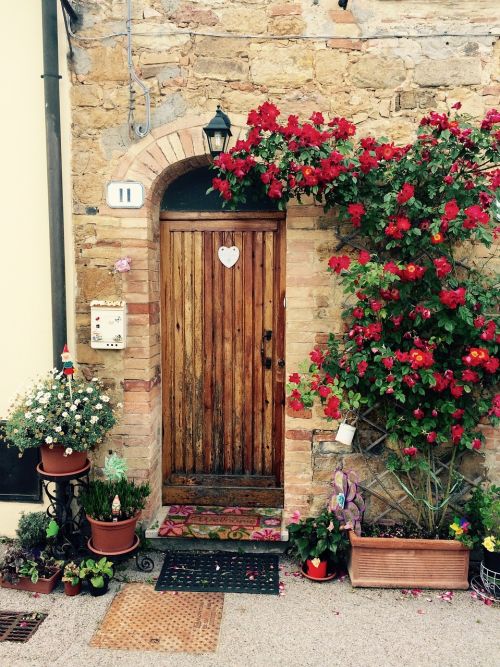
(228, 256)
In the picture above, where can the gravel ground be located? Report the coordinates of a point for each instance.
(311, 625)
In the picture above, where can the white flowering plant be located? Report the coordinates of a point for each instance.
(56, 410)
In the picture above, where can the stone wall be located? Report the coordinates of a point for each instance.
(382, 63)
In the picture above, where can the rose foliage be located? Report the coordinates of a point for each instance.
(421, 337)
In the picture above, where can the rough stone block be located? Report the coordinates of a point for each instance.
(377, 72)
(277, 66)
(450, 72)
(330, 67)
(221, 69)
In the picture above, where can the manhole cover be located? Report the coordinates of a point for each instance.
(19, 626)
(143, 620)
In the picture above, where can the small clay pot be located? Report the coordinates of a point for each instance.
(316, 572)
(112, 537)
(72, 589)
(54, 462)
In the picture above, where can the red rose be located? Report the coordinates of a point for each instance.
(456, 390)
(356, 211)
(443, 267)
(361, 368)
(324, 391)
(477, 356)
(375, 305)
(420, 358)
(331, 409)
(437, 238)
(476, 443)
(470, 376)
(364, 257)
(451, 210)
(457, 432)
(418, 413)
(275, 189)
(453, 298)
(410, 451)
(431, 437)
(406, 193)
(491, 365)
(458, 414)
(388, 362)
(296, 405)
(337, 264)
(294, 378)
(317, 357)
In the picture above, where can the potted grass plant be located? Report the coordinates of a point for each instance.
(62, 414)
(420, 341)
(318, 543)
(113, 506)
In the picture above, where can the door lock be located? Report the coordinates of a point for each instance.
(281, 363)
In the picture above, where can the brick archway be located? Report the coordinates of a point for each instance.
(167, 153)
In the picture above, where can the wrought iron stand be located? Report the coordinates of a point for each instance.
(62, 492)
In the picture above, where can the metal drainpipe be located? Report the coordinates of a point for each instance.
(51, 78)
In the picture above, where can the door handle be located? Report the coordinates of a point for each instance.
(266, 361)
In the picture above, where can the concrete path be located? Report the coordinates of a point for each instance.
(311, 625)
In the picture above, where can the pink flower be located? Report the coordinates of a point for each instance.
(295, 518)
(266, 535)
(123, 265)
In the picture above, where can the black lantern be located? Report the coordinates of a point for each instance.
(218, 132)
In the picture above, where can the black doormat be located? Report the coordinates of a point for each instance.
(19, 626)
(222, 572)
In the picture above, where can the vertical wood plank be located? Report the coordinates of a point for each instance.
(198, 353)
(279, 382)
(238, 372)
(166, 342)
(188, 377)
(228, 363)
(258, 366)
(208, 353)
(218, 383)
(269, 375)
(178, 350)
(248, 350)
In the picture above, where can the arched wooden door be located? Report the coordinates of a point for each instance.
(223, 358)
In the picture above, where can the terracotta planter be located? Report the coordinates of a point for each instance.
(54, 461)
(72, 589)
(41, 586)
(110, 537)
(318, 572)
(389, 562)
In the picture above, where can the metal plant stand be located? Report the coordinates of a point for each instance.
(143, 562)
(62, 492)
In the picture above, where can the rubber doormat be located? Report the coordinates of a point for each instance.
(226, 572)
(140, 619)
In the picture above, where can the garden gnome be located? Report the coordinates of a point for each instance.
(116, 507)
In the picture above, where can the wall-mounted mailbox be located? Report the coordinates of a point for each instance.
(124, 194)
(108, 328)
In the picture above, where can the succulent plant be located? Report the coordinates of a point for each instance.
(346, 501)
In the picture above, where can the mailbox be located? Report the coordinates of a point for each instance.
(108, 325)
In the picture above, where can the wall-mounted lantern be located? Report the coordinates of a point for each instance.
(218, 132)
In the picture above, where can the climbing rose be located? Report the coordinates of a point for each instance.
(410, 451)
(453, 298)
(364, 257)
(406, 193)
(332, 408)
(420, 358)
(294, 378)
(355, 212)
(477, 356)
(457, 432)
(443, 267)
(339, 263)
(451, 210)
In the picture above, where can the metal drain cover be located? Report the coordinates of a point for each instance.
(19, 626)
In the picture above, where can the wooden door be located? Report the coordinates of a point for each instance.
(223, 359)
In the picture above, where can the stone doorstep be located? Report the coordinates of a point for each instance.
(165, 543)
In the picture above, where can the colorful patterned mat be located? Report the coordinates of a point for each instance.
(222, 523)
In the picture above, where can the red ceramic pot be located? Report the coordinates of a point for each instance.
(112, 537)
(72, 589)
(54, 462)
(319, 572)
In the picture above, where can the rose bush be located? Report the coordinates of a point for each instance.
(421, 337)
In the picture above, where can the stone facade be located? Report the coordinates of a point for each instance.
(382, 63)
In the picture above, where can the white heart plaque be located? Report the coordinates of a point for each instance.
(228, 256)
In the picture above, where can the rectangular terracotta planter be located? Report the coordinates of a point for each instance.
(41, 586)
(393, 562)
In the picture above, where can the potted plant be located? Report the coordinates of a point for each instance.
(491, 542)
(97, 574)
(21, 570)
(113, 507)
(32, 531)
(317, 543)
(420, 341)
(71, 579)
(64, 415)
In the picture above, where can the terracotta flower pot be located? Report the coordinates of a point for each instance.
(54, 462)
(390, 562)
(110, 537)
(41, 586)
(72, 589)
(317, 572)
